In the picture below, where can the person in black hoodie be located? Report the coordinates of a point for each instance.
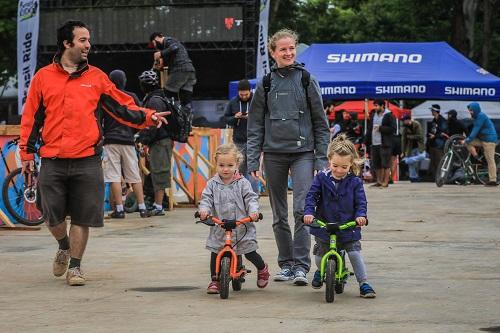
(120, 155)
(158, 140)
(455, 126)
(236, 115)
(437, 134)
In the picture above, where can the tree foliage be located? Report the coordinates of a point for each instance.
(349, 21)
(8, 27)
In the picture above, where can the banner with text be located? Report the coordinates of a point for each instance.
(27, 40)
(262, 53)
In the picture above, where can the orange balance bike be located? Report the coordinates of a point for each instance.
(228, 266)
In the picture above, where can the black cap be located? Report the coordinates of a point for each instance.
(435, 108)
(406, 117)
(452, 113)
(379, 102)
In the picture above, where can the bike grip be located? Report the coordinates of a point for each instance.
(197, 215)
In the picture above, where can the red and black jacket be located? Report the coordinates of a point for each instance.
(63, 112)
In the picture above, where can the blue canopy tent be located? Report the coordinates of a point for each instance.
(395, 70)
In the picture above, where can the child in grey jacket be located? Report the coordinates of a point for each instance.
(228, 195)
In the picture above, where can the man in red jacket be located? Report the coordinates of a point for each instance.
(61, 121)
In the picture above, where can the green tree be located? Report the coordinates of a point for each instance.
(8, 30)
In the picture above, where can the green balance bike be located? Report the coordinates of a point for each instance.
(334, 273)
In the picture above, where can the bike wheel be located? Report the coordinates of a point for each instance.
(130, 205)
(331, 267)
(225, 277)
(481, 170)
(443, 169)
(20, 200)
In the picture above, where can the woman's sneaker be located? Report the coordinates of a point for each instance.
(316, 282)
(300, 278)
(263, 277)
(285, 274)
(213, 287)
(366, 291)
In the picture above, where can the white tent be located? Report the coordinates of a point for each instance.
(422, 111)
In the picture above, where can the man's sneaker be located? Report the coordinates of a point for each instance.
(144, 213)
(213, 287)
(60, 262)
(491, 183)
(300, 279)
(316, 282)
(117, 214)
(285, 274)
(74, 277)
(263, 277)
(157, 212)
(366, 291)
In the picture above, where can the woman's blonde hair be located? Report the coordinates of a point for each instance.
(342, 146)
(283, 33)
(229, 148)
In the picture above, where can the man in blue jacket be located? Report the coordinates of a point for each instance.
(484, 135)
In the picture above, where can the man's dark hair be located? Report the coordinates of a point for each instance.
(154, 35)
(380, 102)
(243, 85)
(65, 32)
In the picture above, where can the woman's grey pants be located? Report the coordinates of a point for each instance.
(293, 252)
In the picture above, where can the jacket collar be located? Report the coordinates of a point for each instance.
(82, 67)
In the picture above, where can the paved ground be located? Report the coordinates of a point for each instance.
(433, 257)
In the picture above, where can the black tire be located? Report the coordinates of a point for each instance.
(339, 287)
(225, 277)
(331, 267)
(443, 169)
(236, 283)
(19, 200)
(452, 139)
(130, 205)
(481, 171)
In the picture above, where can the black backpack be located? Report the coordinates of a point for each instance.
(179, 120)
(305, 79)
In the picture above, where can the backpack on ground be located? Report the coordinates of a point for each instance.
(179, 120)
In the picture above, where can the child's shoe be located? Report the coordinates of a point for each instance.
(366, 291)
(316, 282)
(213, 287)
(263, 277)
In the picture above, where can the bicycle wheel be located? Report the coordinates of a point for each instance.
(20, 200)
(225, 277)
(331, 267)
(130, 204)
(443, 169)
(481, 170)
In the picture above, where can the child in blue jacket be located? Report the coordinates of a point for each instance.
(337, 195)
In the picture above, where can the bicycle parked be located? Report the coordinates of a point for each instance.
(19, 192)
(228, 266)
(457, 157)
(334, 272)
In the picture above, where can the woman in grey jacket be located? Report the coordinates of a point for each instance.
(290, 127)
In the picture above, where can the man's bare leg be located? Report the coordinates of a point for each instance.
(78, 236)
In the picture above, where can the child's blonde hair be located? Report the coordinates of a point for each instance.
(229, 148)
(283, 33)
(342, 146)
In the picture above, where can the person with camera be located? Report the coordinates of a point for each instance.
(236, 115)
(181, 73)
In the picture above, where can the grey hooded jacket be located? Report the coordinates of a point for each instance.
(233, 202)
(288, 126)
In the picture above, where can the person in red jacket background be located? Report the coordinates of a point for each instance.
(61, 122)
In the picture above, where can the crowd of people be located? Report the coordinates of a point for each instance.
(281, 129)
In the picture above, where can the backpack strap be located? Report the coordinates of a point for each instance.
(305, 80)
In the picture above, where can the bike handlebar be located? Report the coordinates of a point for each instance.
(212, 220)
(333, 227)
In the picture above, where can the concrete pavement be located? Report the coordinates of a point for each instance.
(432, 254)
